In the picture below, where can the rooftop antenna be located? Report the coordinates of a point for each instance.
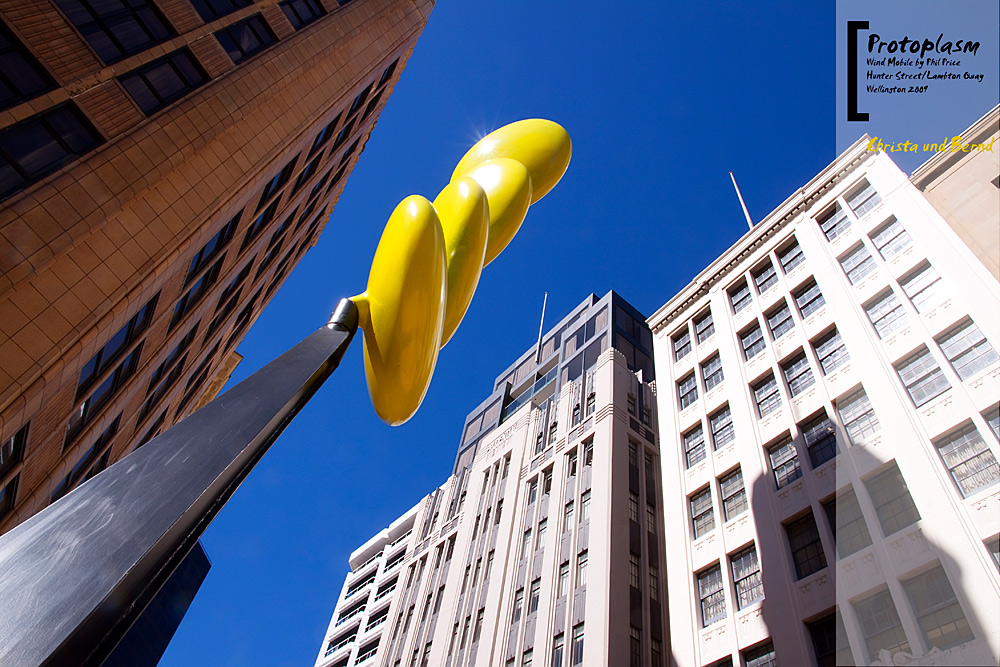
(541, 326)
(742, 203)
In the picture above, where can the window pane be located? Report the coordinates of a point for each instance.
(922, 288)
(834, 223)
(880, 625)
(809, 299)
(791, 256)
(702, 516)
(784, 462)
(892, 501)
(850, 530)
(891, 239)
(969, 461)
(734, 497)
(779, 321)
(922, 377)
(740, 297)
(831, 351)
(863, 199)
(752, 342)
(711, 371)
(967, 350)
(938, 612)
(886, 314)
(694, 446)
(798, 374)
(767, 396)
(704, 327)
(722, 427)
(746, 577)
(858, 264)
(807, 550)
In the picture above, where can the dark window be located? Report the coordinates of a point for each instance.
(190, 299)
(91, 455)
(38, 146)
(213, 9)
(372, 104)
(807, 550)
(100, 397)
(848, 523)
(209, 251)
(246, 38)
(7, 495)
(761, 656)
(324, 136)
(301, 13)
(344, 133)
(784, 462)
(361, 98)
(12, 450)
(938, 612)
(348, 153)
(892, 501)
(162, 81)
(277, 182)
(116, 345)
(829, 640)
(821, 439)
(118, 29)
(258, 225)
(306, 173)
(172, 358)
(880, 624)
(387, 74)
(21, 76)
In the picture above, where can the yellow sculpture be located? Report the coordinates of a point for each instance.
(429, 259)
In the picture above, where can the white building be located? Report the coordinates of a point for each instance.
(828, 413)
(545, 546)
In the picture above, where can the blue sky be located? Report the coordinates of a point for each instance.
(662, 101)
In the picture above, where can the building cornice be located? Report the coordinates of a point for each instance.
(761, 233)
(942, 161)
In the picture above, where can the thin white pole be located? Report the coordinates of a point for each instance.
(742, 203)
(541, 325)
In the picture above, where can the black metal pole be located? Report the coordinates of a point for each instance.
(74, 577)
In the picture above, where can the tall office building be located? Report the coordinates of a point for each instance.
(829, 432)
(164, 164)
(545, 546)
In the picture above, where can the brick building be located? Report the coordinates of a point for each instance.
(163, 166)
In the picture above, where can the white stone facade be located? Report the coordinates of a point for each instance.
(851, 316)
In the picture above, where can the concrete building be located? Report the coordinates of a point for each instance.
(164, 164)
(545, 546)
(828, 410)
(964, 187)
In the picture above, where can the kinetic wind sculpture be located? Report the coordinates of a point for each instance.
(428, 262)
(77, 575)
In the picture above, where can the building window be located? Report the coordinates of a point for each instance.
(308, 172)
(116, 30)
(633, 507)
(713, 600)
(190, 299)
(969, 460)
(246, 38)
(584, 507)
(831, 351)
(993, 546)
(277, 182)
(784, 462)
(91, 407)
(694, 446)
(752, 342)
(938, 612)
(38, 146)
(704, 327)
(766, 395)
(807, 550)
(761, 656)
(779, 320)
(534, 594)
(829, 640)
(687, 390)
(8, 493)
(682, 345)
(563, 585)
(722, 427)
(967, 350)
(526, 544)
(809, 299)
(886, 314)
(656, 649)
(581, 569)
(992, 418)
(21, 76)
(518, 604)
(892, 500)
(571, 464)
(633, 570)
(922, 376)
(558, 646)
(214, 9)
(834, 222)
(734, 495)
(210, 250)
(746, 576)
(791, 256)
(650, 519)
(578, 644)
(155, 85)
(711, 371)
(702, 516)
(863, 199)
(891, 239)
(880, 624)
(542, 527)
(798, 374)
(921, 287)
(820, 438)
(324, 135)
(631, 405)
(858, 264)
(634, 646)
(255, 228)
(740, 297)
(633, 454)
(12, 450)
(765, 277)
(90, 456)
(301, 13)
(858, 416)
(568, 517)
(654, 583)
(109, 353)
(848, 523)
